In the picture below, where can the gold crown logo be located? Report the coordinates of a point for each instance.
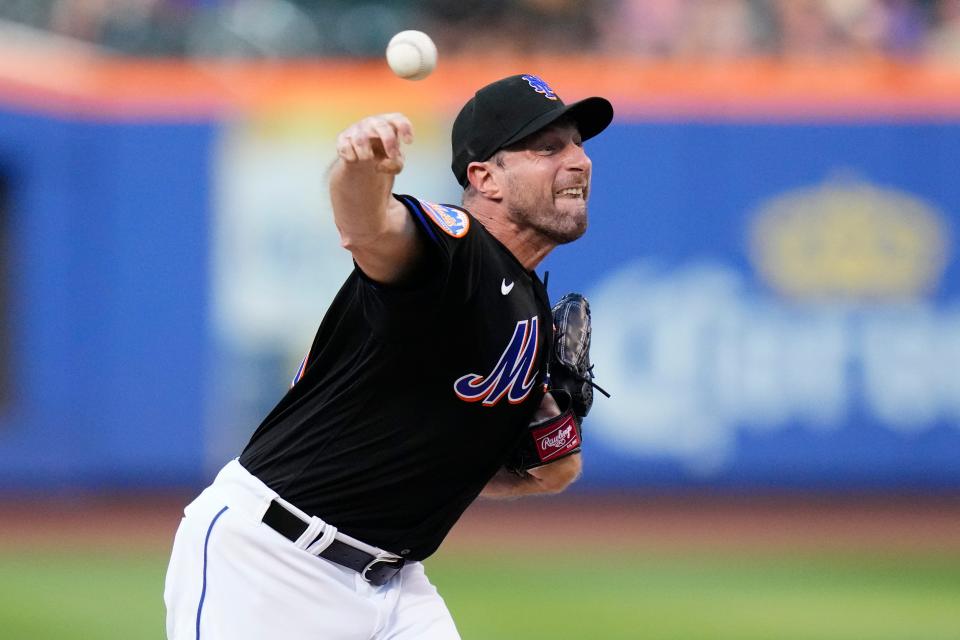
(849, 240)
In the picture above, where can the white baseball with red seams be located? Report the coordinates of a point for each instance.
(412, 55)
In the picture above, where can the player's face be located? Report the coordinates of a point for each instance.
(547, 182)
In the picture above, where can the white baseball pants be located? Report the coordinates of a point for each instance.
(231, 577)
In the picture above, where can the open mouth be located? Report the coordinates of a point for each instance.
(573, 192)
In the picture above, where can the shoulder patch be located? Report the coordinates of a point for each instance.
(452, 221)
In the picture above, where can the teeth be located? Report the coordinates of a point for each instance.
(573, 191)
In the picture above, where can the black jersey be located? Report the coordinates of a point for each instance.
(410, 398)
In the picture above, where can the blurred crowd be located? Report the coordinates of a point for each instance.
(657, 29)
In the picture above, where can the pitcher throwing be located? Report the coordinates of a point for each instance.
(435, 377)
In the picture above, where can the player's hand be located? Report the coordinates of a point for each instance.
(376, 140)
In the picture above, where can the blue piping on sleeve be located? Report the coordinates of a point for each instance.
(423, 221)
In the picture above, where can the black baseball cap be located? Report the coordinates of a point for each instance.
(508, 110)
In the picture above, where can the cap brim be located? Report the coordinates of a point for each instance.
(591, 115)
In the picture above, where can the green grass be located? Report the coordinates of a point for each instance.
(58, 595)
(700, 596)
(81, 595)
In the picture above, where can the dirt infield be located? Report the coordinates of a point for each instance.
(675, 523)
(701, 523)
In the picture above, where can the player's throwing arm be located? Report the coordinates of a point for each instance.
(373, 225)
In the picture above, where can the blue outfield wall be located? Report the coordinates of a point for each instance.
(108, 227)
(775, 305)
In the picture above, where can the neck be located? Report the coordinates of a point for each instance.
(528, 245)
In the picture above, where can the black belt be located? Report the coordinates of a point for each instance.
(375, 570)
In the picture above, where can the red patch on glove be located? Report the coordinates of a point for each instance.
(556, 438)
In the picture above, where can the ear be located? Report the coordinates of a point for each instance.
(484, 181)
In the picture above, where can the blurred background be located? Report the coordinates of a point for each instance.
(771, 262)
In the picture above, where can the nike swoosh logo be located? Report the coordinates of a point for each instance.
(505, 288)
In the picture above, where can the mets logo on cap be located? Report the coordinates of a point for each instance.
(540, 86)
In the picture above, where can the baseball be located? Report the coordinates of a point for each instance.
(412, 55)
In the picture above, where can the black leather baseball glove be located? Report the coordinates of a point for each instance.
(570, 368)
(570, 383)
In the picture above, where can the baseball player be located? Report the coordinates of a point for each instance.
(428, 383)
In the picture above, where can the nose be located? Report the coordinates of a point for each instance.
(577, 159)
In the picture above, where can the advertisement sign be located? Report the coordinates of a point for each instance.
(774, 305)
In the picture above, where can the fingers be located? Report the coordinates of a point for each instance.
(392, 166)
(345, 148)
(376, 138)
(402, 125)
(386, 135)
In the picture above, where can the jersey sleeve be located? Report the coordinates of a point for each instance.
(444, 277)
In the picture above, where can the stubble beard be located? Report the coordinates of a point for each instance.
(559, 225)
(563, 228)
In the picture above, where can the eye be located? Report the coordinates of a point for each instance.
(549, 145)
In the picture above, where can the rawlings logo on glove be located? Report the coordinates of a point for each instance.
(571, 384)
(557, 438)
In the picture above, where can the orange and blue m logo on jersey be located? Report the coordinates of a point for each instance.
(512, 377)
(540, 86)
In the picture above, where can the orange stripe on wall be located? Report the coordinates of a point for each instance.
(755, 89)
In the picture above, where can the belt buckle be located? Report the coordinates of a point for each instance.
(385, 558)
